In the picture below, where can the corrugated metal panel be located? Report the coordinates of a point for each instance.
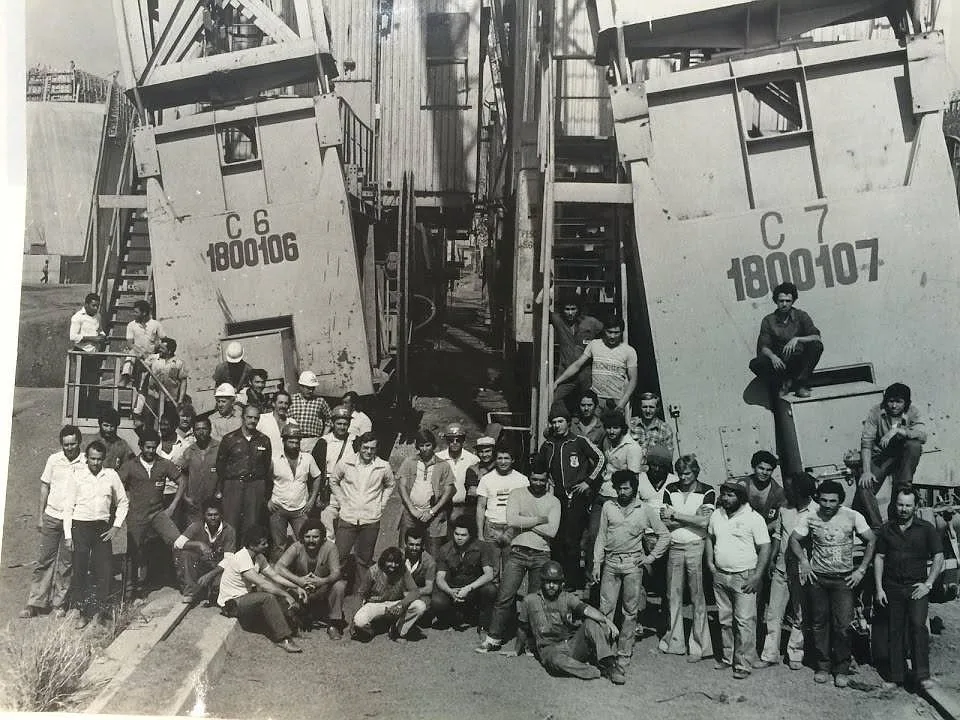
(582, 92)
(430, 60)
(353, 29)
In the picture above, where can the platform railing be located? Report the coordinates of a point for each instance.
(357, 146)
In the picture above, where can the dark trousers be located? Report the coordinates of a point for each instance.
(361, 539)
(799, 368)
(522, 561)
(831, 608)
(591, 643)
(244, 504)
(260, 609)
(574, 519)
(90, 385)
(191, 568)
(479, 603)
(92, 566)
(899, 461)
(900, 629)
(51, 576)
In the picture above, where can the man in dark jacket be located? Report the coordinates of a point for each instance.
(244, 467)
(575, 466)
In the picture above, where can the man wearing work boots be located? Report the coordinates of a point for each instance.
(561, 646)
(830, 577)
(891, 445)
(788, 346)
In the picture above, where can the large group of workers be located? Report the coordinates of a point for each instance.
(271, 507)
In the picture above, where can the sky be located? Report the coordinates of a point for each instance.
(58, 31)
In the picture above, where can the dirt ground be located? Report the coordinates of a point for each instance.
(45, 312)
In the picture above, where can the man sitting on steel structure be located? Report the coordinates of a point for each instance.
(788, 346)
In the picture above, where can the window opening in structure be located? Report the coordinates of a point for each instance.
(447, 50)
(238, 142)
(771, 108)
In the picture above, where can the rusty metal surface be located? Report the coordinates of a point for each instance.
(870, 235)
(430, 53)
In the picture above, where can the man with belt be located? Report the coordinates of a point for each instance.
(310, 411)
(200, 469)
(87, 336)
(460, 460)
(332, 449)
(243, 471)
(51, 575)
(296, 482)
(97, 495)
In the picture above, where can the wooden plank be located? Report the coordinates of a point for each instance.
(181, 20)
(264, 18)
(609, 193)
(131, 41)
(127, 202)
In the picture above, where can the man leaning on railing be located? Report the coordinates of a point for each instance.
(87, 336)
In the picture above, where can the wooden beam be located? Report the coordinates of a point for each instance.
(264, 18)
(126, 202)
(131, 41)
(173, 32)
(605, 193)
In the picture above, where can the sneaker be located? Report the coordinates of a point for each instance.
(841, 681)
(821, 676)
(741, 674)
(694, 658)
(802, 392)
(334, 633)
(488, 645)
(721, 664)
(288, 645)
(614, 673)
(796, 665)
(59, 613)
(761, 664)
(29, 611)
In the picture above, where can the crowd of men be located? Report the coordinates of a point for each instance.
(271, 507)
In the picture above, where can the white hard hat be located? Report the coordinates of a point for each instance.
(225, 390)
(308, 378)
(234, 352)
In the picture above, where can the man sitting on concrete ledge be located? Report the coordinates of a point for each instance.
(199, 551)
(250, 588)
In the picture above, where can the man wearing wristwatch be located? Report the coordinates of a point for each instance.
(830, 578)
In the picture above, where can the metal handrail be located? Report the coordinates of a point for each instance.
(165, 395)
(357, 144)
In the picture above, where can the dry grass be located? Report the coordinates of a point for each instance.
(42, 663)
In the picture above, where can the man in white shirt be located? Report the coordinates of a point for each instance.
(492, 495)
(296, 482)
(272, 423)
(460, 460)
(360, 422)
(97, 493)
(737, 550)
(87, 336)
(249, 589)
(143, 337)
(51, 575)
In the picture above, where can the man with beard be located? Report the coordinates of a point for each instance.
(390, 596)
(244, 464)
(619, 551)
(648, 429)
(561, 645)
(200, 549)
(272, 423)
(587, 423)
(904, 547)
(228, 416)
(331, 449)
(534, 513)
(830, 577)
(891, 445)
(464, 583)
(117, 451)
(200, 469)
(313, 564)
(737, 550)
(422, 566)
(51, 574)
(687, 515)
(150, 522)
(296, 481)
(766, 496)
(575, 465)
(426, 485)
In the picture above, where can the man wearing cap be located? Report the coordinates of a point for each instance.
(460, 460)
(244, 467)
(234, 370)
(575, 465)
(227, 417)
(309, 410)
(737, 550)
(116, 449)
(296, 482)
(331, 449)
(891, 445)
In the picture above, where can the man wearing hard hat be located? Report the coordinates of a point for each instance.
(234, 370)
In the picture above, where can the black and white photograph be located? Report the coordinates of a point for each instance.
(481, 359)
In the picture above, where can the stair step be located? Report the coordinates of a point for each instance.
(130, 276)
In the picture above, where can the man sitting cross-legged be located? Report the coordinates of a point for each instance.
(313, 564)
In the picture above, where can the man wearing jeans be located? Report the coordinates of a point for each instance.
(831, 578)
(903, 582)
(619, 545)
(737, 549)
(535, 514)
(361, 486)
(492, 495)
(784, 581)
